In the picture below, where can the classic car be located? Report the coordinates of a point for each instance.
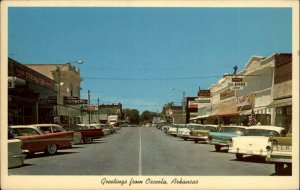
(53, 128)
(173, 129)
(222, 138)
(15, 155)
(279, 152)
(87, 134)
(254, 141)
(34, 140)
(107, 129)
(184, 133)
(165, 128)
(200, 133)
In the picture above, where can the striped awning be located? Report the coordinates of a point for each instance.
(280, 103)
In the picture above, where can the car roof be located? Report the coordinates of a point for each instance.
(235, 126)
(267, 127)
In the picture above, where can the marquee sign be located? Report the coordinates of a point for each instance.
(74, 100)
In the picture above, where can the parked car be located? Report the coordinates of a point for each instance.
(184, 133)
(35, 140)
(173, 129)
(279, 152)
(223, 137)
(200, 133)
(165, 128)
(254, 141)
(53, 128)
(87, 134)
(15, 155)
(107, 129)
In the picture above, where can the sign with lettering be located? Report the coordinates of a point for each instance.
(236, 88)
(90, 108)
(74, 100)
(245, 102)
(33, 76)
(226, 94)
(237, 79)
(237, 84)
(205, 93)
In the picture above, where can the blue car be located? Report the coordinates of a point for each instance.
(222, 138)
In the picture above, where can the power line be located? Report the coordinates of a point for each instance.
(148, 79)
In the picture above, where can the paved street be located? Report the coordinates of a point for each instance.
(143, 151)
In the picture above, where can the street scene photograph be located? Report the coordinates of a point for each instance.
(130, 93)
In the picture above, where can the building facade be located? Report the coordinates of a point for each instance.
(27, 94)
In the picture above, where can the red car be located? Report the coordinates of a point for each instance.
(87, 134)
(35, 140)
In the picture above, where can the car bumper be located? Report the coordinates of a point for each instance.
(218, 143)
(248, 152)
(279, 157)
(182, 135)
(199, 138)
(16, 160)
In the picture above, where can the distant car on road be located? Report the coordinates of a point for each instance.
(184, 133)
(173, 129)
(223, 137)
(35, 140)
(254, 141)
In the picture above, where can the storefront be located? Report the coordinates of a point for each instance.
(25, 89)
(283, 112)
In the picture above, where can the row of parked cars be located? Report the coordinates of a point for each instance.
(271, 142)
(26, 140)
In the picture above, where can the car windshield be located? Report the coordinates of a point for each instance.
(192, 126)
(236, 130)
(199, 127)
(261, 132)
(211, 128)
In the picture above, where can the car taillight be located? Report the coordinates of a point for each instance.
(210, 138)
(230, 143)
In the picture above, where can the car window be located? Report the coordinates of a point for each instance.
(261, 132)
(24, 132)
(56, 129)
(211, 128)
(234, 130)
(45, 129)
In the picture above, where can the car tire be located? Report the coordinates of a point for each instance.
(185, 139)
(87, 140)
(239, 156)
(279, 168)
(51, 149)
(196, 141)
(218, 148)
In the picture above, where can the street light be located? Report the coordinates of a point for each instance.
(183, 105)
(59, 83)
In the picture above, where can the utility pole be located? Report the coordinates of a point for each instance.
(89, 103)
(98, 111)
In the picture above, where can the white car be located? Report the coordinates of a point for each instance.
(15, 155)
(254, 141)
(173, 129)
(185, 132)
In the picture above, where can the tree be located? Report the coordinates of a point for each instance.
(166, 106)
(147, 116)
(132, 115)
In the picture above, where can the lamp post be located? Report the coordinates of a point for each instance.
(183, 104)
(59, 83)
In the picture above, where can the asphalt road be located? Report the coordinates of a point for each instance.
(143, 151)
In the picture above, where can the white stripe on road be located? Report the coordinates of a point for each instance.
(140, 153)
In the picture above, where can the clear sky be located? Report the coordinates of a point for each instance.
(135, 55)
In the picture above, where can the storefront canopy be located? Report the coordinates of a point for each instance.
(226, 114)
(280, 103)
(199, 117)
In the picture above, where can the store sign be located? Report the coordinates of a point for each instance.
(237, 84)
(28, 74)
(90, 108)
(226, 94)
(50, 100)
(237, 79)
(11, 83)
(236, 88)
(193, 104)
(205, 93)
(202, 101)
(74, 100)
(245, 102)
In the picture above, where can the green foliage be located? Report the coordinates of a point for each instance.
(132, 115)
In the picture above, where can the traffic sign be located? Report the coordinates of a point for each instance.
(236, 87)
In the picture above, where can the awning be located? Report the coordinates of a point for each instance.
(199, 117)
(257, 110)
(226, 114)
(280, 103)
